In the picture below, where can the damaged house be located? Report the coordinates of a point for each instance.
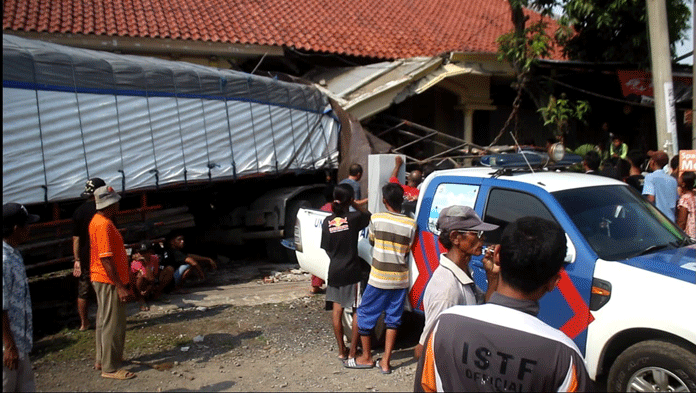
(431, 63)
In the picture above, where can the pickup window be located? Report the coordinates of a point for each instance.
(448, 194)
(607, 217)
(505, 206)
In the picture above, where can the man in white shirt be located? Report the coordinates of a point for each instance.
(660, 188)
(462, 233)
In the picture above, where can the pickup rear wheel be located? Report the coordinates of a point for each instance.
(653, 366)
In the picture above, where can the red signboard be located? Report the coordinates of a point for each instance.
(637, 82)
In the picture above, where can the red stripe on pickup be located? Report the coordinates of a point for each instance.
(425, 253)
(581, 317)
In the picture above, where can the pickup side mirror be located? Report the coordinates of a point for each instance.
(571, 253)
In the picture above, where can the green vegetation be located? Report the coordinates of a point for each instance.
(70, 344)
(561, 110)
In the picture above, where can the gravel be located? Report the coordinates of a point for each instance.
(285, 345)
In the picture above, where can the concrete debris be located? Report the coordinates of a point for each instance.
(292, 275)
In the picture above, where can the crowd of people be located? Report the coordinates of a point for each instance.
(654, 175)
(519, 271)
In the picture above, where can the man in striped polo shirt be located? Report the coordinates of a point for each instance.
(391, 234)
(502, 345)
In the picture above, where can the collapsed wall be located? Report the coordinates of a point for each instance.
(70, 114)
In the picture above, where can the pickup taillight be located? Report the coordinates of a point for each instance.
(298, 235)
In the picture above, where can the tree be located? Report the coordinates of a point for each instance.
(602, 30)
(615, 30)
(522, 48)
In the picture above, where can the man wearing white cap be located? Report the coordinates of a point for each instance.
(110, 276)
(462, 233)
(17, 328)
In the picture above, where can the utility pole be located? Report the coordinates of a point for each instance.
(663, 89)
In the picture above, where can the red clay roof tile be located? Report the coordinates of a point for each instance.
(385, 29)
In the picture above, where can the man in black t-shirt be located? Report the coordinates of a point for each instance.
(636, 179)
(81, 218)
(182, 262)
(340, 241)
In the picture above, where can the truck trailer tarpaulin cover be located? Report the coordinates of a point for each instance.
(70, 114)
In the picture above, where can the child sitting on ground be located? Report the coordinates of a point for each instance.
(145, 271)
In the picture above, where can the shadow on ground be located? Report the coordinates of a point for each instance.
(213, 344)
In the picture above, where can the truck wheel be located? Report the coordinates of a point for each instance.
(377, 336)
(653, 366)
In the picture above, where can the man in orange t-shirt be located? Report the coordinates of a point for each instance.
(110, 276)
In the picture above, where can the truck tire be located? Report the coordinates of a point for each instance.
(275, 251)
(378, 334)
(651, 366)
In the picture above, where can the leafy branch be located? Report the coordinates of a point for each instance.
(561, 110)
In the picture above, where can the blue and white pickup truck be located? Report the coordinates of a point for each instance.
(628, 290)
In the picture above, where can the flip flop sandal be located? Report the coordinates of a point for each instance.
(351, 363)
(120, 374)
(381, 369)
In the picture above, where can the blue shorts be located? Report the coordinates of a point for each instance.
(376, 300)
(179, 272)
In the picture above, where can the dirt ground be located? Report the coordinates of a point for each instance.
(238, 331)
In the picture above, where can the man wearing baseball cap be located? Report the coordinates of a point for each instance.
(109, 272)
(659, 187)
(462, 234)
(81, 218)
(17, 328)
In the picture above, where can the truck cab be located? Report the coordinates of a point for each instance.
(627, 275)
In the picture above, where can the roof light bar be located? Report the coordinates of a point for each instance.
(516, 160)
(535, 160)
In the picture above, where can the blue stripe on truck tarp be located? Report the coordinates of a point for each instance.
(142, 93)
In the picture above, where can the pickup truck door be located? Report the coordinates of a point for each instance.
(566, 307)
(441, 192)
(499, 201)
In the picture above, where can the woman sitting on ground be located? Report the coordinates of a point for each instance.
(149, 278)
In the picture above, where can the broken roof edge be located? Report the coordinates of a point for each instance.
(366, 90)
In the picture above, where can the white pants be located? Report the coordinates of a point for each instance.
(20, 379)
